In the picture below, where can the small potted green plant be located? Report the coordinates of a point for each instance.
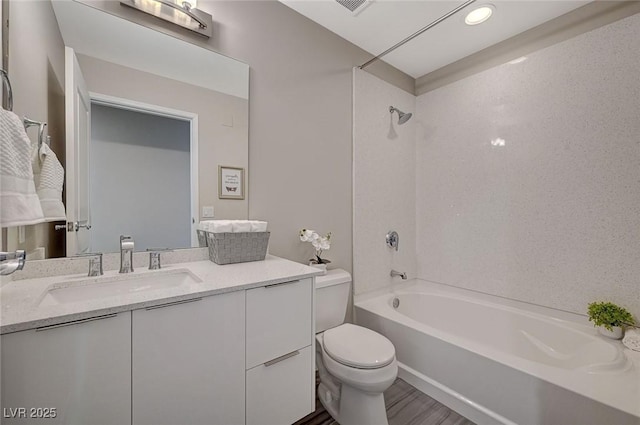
(609, 318)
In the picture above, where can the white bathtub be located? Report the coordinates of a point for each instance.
(501, 361)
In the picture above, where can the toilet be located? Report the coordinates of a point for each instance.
(356, 365)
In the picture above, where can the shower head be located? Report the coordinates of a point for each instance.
(402, 117)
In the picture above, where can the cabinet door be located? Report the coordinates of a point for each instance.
(279, 320)
(81, 369)
(281, 391)
(188, 362)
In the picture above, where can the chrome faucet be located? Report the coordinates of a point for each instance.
(154, 257)
(12, 261)
(126, 254)
(95, 263)
(395, 273)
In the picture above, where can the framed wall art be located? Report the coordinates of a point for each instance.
(230, 182)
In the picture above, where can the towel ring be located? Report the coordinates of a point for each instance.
(31, 123)
(7, 83)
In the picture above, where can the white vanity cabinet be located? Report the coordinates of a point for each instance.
(72, 373)
(188, 362)
(280, 353)
(239, 357)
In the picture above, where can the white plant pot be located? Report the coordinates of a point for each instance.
(322, 267)
(616, 332)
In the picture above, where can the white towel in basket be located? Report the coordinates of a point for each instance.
(258, 226)
(232, 226)
(241, 226)
(216, 226)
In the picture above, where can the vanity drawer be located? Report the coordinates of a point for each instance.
(279, 320)
(281, 392)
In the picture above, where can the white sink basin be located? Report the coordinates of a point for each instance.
(115, 286)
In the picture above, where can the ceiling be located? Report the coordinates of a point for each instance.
(383, 23)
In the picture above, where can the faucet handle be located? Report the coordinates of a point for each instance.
(95, 263)
(393, 239)
(154, 257)
(20, 254)
(126, 242)
(12, 261)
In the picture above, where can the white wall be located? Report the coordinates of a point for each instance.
(140, 180)
(553, 216)
(383, 182)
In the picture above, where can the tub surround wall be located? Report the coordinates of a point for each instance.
(383, 182)
(527, 175)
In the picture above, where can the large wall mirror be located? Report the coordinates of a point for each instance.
(140, 120)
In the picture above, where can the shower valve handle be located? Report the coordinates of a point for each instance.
(393, 239)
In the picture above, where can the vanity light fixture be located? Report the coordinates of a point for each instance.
(180, 12)
(479, 14)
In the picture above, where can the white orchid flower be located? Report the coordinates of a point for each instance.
(306, 235)
(324, 244)
(319, 243)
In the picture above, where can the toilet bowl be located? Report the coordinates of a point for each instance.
(356, 365)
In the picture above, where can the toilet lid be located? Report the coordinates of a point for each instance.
(358, 347)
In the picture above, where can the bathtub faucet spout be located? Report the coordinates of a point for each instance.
(395, 273)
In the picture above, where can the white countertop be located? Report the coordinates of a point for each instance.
(20, 299)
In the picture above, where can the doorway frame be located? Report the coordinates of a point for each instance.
(190, 117)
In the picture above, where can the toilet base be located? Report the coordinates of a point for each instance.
(329, 399)
(353, 396)
(358, 407)
(361, 408)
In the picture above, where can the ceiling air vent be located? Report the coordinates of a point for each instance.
(355, 6)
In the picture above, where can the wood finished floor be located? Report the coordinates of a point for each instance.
(405, 406)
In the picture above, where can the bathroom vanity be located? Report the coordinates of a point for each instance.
(229, 344)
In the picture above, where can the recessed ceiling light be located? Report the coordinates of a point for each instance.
(479, 14)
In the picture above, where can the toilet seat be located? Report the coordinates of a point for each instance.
(358, 347)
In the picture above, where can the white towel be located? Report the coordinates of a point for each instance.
(632, 339)
(232, 226)
(19, 203)
(241, 226)
(49, 178)
(220, 226)
(258, 226)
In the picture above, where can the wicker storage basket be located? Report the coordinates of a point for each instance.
(202, 238)
(228, 248)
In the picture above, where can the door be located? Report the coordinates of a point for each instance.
(78, 124)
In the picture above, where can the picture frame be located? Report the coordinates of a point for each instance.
(230, 182)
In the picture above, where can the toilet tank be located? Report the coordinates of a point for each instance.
(332, 296)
